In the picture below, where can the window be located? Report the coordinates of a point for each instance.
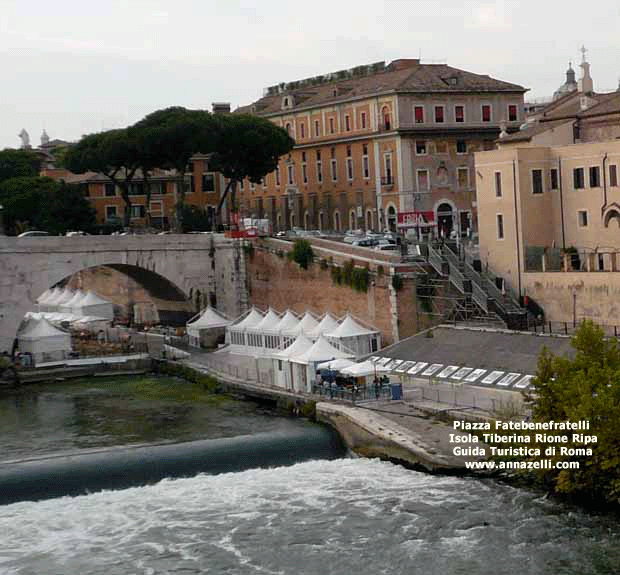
(240, 185)
(459, 114)
(137, 211)
(365, 165)
(461, 147)
(420, 147)
(303, 156)
(386, 118)
(554, 179)
(304, 173)
(163, 187)
(349, 169)
(439, 114)
(595, 177)
(418, 113)
(537, 182)
(110, 212)
(463, 178)
(136, 189)
(498, 184)
(208, 182)
(317, 128)
(613, 175)
(319, 167)
(486, 113)
(512, 113)
(277, 175)
(302, 131)
(334, 165)
(422, 180)
(363, 120)
(500, 226)
(582, 217)
(331, 125)
(387, 161)
(110, 190)
(288, 128)
(347, 123)
(578, 179)
(291, 175)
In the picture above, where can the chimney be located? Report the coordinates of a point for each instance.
(403, 63)
(221, 107)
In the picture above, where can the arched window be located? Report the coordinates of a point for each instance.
(385, 115)
(337, 221)
(391, 218)
(368, 220)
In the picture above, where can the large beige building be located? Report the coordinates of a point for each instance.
(549, 207)
(381, 146)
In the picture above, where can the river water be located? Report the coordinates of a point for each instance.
(345, 516)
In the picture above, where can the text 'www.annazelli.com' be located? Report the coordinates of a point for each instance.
(506, 465)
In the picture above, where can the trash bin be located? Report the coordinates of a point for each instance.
(397, 391)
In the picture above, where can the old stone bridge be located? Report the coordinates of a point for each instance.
(210, 263)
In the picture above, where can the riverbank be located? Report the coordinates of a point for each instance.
(390, 430)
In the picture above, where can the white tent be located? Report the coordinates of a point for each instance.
(92, 304)
(365, 368)
(350, 335)
(306, 324)
(55, 300)
(72, 304)
(44, 341)
(282, 367)
(255, 334)
(236, 331)
(285, 330)
(320, 351)
(46, 295)
(207, 328)
(336, 364)
(327, 324)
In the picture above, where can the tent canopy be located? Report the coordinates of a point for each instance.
(336, 364)
(349, 328)
(306, 324)
(209, 318)
(321, 350)
(287, 323)
(250, 320)
(299, 346)
(327, 324)
(268, 322)
(365, 368)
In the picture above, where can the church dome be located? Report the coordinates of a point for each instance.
(569, 86)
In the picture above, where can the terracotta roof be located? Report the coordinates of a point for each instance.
(415, 77)
(531, 130)
(609, 105)
(569, 106)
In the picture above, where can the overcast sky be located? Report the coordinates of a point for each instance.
(75, 67)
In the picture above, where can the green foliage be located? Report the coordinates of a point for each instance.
(425, 293)
(42, 203)
(308, 410)
(193, 219)
(586, 388)
(354, 277)
(22, 163)
(397, 282)
(323, 264)
(302, 253)
(280, 253)
(207, 382)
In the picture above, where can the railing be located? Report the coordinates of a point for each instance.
(435, 259)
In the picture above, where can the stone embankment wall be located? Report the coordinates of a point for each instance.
(274, 280)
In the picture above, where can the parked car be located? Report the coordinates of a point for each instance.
(387, 248)
(33, 233)
(77, 233)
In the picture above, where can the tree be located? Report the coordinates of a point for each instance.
(19, 164)
(584, 389)
(42, 203)
(169, 138)
(248, 147)
(114, 154)
(302, 253)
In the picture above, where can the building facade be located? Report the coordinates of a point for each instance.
(381, 147)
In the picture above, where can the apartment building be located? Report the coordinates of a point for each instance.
(381, 146)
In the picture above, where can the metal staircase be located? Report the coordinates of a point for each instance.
(476, 287)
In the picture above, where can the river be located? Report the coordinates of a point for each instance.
(341, 516)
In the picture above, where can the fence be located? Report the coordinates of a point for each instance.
(568, 328)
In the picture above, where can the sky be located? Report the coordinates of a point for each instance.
(74, 67)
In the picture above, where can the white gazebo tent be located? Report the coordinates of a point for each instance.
(209, 327)
(282, 367)
(255, 335)
(284, 332)
(54, 302)
(46, 296)
(236, 332)
(350, 335)
(336, 364)
(70, 305)
(92, 304)
(44, 341)
(328, 323)
(366, 369)
(306, 324)
(306, 362)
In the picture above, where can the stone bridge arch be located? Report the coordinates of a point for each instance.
(209, 263)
